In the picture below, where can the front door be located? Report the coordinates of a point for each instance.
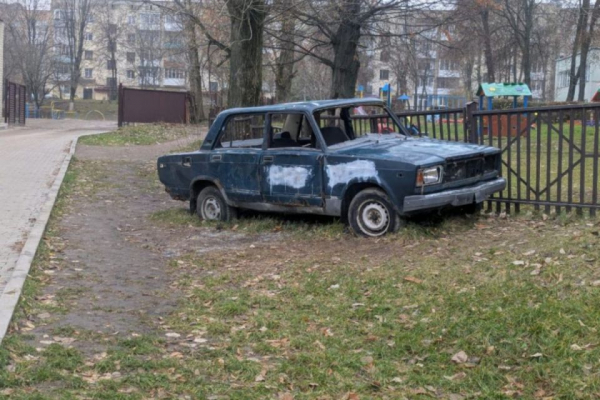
(292, 177)
(291, 166)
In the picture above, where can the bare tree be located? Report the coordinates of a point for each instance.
(29, 46)
(72, 18)
(519, 14)
(111, 28)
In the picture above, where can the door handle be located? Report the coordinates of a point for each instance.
(187, 161)
(268, 159)
(215, 158)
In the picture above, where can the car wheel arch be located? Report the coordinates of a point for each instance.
(201, 182)
(353, 189)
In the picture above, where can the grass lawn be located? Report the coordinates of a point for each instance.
(454, 308)
(89, 109)
(145, 134)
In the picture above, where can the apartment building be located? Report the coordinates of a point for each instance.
(416, 65)
(562, 76)
(136, 44)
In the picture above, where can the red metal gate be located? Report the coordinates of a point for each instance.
(15, 97)
(147, 106)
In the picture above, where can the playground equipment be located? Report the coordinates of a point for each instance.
(505, 125)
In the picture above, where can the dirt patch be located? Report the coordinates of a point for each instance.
(110, 269)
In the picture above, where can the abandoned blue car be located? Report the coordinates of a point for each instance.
(349, 158)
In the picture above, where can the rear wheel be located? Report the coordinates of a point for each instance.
(211, 206)
(371, 214)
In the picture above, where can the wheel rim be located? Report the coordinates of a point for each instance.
(211, 209)
(373, 218)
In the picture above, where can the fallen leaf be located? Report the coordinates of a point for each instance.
(172, 335)
(460, 358)
(413, 279)
(518, 262)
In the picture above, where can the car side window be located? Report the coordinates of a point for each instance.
(291, 130)
(242, 131)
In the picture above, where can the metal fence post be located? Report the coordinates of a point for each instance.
(471, 122)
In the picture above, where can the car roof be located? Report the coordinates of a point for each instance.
(309, 106)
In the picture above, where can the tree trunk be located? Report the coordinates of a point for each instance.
(489, 57)
(345, 60)
(581, 26)
(284, 72)
(585, 48)
(526, 47)
(197, 107)
(245, 63)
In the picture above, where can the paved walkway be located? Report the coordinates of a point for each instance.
(31, 159)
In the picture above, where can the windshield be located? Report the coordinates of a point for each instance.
(346, 124)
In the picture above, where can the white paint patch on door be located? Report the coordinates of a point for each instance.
(344, 173)
(294, 177)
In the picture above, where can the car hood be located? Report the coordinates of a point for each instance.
(421, 151)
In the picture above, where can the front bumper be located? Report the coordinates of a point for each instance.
(455, 197)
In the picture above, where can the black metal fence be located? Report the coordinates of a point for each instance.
(550, 155)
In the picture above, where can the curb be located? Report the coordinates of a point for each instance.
(12, 291)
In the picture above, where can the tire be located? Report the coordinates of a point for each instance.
(211, 206)
(473, 209)
(371, 214)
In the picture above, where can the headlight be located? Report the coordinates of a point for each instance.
(429, 176)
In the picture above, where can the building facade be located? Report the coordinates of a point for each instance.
(562, 76)
(130, 43)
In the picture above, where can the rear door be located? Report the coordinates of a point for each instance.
(236, 156)
(291, 170)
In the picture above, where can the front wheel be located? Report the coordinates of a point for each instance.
(211, 206)
(371, 214)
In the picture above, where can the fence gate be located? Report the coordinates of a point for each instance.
(15, 97)
(550, 155)
(147, 106)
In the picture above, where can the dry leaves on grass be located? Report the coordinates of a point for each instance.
(413, 280)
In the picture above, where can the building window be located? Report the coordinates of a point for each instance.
(89, 36)
(130, 74)
(172, 73)
(447, 83)
(213, 86)
(112, 46)
(131, 19)
(384, 56)
(150, 21)
(131, 57)
(384, 74)
(89, 73)
(63, 69)
(88, 55)
(131, 38)
(111, 64)
(448, 65)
